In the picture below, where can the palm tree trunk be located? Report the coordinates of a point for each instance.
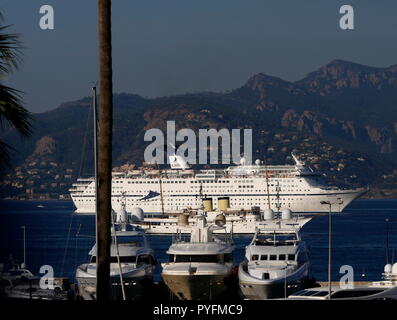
(104, 151)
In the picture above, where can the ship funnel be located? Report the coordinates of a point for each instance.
(223, 203)
(208, 205)
(183, 220)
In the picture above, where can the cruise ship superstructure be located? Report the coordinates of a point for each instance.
(296, 187)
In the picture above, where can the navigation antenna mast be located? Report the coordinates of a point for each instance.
(387, 240)
(278, 204)
(95, 120)
(267, 185)
(161, 190)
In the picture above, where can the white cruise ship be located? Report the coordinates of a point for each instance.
(296, 187)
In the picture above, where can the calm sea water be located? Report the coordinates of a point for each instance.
(56, 237)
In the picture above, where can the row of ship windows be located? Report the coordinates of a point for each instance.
(240, 203)
(273, 257)
(201, 181)
(184, 181)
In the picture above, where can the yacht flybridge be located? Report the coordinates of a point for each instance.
(276, 261)
(200, 267)
(296, 187)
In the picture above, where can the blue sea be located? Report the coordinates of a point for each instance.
(57, 237)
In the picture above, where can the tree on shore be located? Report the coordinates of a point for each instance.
(12, 111)
(104, 182)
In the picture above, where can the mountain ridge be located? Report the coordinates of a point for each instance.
(341, 112)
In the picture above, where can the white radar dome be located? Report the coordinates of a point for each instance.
(394, 269)
(268, 214)
(286, 214)
(137, 215)
(388, 268)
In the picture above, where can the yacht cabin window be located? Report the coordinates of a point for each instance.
(201, 258)
(145, 259)
(127, 259)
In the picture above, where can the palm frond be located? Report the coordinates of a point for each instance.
(12, 111)
(5, 155)
(10, 51)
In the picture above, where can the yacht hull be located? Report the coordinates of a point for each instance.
(136, 284)
(253, 288)
(134, 288)
(198, 287)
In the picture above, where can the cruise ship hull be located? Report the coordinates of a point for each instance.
(299, 203)
(295, 187)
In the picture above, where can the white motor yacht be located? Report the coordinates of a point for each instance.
(386, 289)
(132, 263)
(199, 267)
(276, 261)
(132, 255)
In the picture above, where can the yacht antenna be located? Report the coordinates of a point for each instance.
(387, 240)
(267, 185)
(118, 259)
(161, 190)
(24, 246)
(201, 193)
(278, 204)
(95, 119)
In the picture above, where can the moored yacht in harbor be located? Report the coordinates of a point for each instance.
(276, 261)
(131, 268)
(236, 221)
(386, 289)
(199, 268)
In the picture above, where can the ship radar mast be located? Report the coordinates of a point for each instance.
(298, 162)
(177, 161)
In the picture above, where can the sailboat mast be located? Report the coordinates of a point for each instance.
(161, 191)
(95, 120)
(267, 185)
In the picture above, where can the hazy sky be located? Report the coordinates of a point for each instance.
(164, 47)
